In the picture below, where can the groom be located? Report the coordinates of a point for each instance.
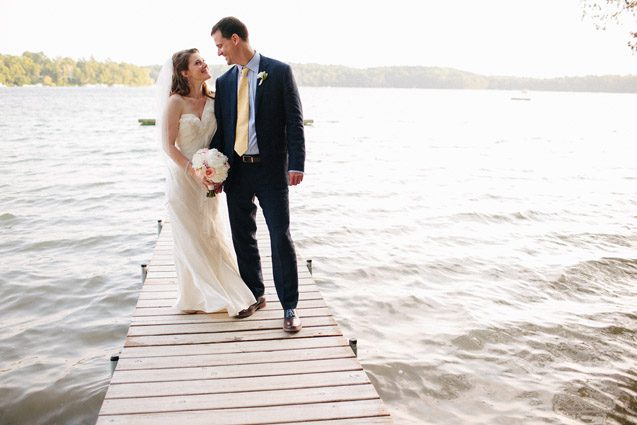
(260, 130)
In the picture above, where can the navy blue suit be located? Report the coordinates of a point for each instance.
(281, 142)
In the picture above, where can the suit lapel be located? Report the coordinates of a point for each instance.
(263, 67)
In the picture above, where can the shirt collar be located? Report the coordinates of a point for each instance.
(253, 65)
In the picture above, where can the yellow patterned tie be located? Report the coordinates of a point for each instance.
(243, 114)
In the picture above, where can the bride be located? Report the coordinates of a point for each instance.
(207, 274)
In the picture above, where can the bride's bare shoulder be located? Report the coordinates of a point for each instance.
(176, 99)
(175, 104)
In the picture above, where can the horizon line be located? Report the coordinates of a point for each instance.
(348, 66)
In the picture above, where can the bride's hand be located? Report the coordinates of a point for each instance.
(192, 173)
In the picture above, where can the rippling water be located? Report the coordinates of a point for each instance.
(481, 249)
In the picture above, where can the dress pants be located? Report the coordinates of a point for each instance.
(251, 180)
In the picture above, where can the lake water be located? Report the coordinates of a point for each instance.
(481, 249)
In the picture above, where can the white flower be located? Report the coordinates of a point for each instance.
(215, 159)
(220, 176)
(199, 159)
(262, 76)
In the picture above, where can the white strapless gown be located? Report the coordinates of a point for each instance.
(207, 274)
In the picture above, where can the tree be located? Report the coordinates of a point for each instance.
(65, 68)
(32, 68)
(16, 74)
(614, 11)
(4, 73)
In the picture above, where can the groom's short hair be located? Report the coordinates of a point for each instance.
(231, 25)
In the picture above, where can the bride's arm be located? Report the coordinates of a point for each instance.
(170, 129)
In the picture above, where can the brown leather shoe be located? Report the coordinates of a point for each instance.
(261, 303)
(291, 321)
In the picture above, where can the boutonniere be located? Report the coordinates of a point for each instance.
(262, 76)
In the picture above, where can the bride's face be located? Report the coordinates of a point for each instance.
(198, 68)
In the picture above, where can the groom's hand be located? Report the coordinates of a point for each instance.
(295, 177)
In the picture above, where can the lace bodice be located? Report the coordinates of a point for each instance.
(195, 133)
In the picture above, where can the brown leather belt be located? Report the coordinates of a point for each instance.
(250, 159)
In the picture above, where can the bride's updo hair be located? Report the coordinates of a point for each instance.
(180, 86)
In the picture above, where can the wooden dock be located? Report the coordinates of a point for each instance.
(178, 368)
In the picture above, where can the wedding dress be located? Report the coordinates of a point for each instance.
(207, 274)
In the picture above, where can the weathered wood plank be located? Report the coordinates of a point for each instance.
(377, 420)
(234, 358)
(171, 277)
(237, 400)
(214, 386)
(265, 335)
(171, 293)
(269, 293)
(163, 259)
(152, 285)
(233, 347)
(234, 371)
(264, 415)
(169, 319)
(272, 305)
(236, 325)
(268, 281)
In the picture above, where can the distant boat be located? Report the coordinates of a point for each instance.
(522, 96)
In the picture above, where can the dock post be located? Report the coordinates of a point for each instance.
(353, 344)
(114, 360)
(144, 272)
(160, 225)
(309, 265)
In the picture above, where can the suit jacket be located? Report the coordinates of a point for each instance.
(278, 122)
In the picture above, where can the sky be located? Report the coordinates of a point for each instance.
(534, 38)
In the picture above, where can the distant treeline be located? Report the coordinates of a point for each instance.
(448, 78)
(36, 68)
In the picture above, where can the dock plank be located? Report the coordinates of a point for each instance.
(218, 317)
(272, 305)
(234, 371)
(213, 386)
(202, 360)
(229, 326)
(267, 398)
(233, 347)
(302, 413)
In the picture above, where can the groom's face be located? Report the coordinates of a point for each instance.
(225, 47)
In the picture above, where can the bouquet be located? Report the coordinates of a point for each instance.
(212, 165)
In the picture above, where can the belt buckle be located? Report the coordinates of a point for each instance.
(250, 159)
